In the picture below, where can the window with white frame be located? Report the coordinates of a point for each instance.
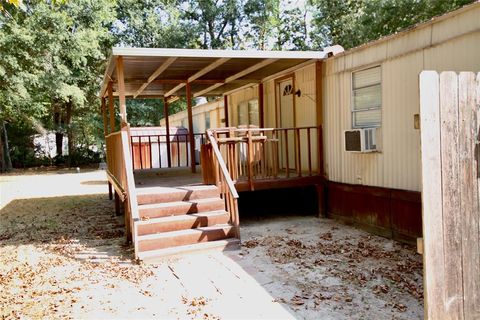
(367, 98)
(248, 113)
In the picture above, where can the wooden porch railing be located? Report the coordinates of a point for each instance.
(151, 151)
(118, 164)
(223, 179)
(266, 153)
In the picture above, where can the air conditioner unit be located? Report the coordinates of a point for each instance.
(361, 140)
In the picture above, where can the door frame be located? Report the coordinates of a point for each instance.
(277, 99)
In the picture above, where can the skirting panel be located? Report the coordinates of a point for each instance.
(387, 212)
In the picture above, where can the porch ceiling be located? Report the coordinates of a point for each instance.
(164, 72)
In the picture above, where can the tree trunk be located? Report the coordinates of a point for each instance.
(6, 161)
(68, 122)
(59, 143)
(57, 119)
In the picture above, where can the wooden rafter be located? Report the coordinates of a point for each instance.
(240, 74)
(155, 75)
(197, 75)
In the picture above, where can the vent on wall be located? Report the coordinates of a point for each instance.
(361, 140)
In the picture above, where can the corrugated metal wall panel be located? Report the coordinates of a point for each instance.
(409, 42)
(398, 164)
(460, 54)
(269, 104)
(463, 22)
(306, 112)
(236, 98)
(214, 108)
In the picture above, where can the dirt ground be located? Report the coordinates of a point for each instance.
(63, 255)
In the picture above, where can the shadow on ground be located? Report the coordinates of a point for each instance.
(83, 227)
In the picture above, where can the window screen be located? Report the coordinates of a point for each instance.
(242, 112)
(207, 120)
(253, 115)
(367, 98)
(247, 113)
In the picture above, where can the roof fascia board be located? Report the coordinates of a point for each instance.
(200, 53)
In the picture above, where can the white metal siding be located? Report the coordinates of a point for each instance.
(402, 58)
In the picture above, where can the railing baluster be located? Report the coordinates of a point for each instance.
(141, 149)
(187, 141)
(299, 152)
(150, 149)
(159, 152)
(287, 167)
(133, 153)
(178, 151)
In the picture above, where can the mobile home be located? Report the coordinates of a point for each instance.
(344, 122)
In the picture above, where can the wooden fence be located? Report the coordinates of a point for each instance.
(450, 136)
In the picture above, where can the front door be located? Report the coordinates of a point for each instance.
(287, 120)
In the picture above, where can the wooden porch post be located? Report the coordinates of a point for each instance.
(322, 186)
(105, 132)
(167, 125)
(111, 107)
(104, 116)
(260, 105)
(225, 108)
(121, 91)
(190, 127)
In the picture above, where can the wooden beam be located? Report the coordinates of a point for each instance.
(260, 105)
(121, 91)
(167, 127)
(200, 73)
(111, 106)
(160, 93)
(155, 75)
(225, 108)
(240, 74)
(172, 99)
(190, 127)
(104, 116)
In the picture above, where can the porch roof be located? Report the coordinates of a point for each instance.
(156, 72)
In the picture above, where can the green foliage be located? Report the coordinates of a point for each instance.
(262, 19)
(217, 23)
(53, 52)
(354, 22)
(151, 24)
(52, 58)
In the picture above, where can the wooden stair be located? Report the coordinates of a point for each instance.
(175, 220)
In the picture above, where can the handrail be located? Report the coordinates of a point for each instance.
(229, 194)
(253, 153)
(130, 189)
(222, 165)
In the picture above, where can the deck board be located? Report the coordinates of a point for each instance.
(176, 177)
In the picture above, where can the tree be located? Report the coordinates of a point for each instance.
(151, 24)
(52, 58)
(354, 22)
(292, 29)
(216, 22)
(261, 20)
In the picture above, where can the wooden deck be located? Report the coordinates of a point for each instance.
(179, 177)
(167, 177)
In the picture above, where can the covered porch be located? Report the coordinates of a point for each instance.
(231, 158)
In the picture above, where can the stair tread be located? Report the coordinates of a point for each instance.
(150, 255)
(182, 217)
(166, 190)
(177, 203)
(177, 233)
